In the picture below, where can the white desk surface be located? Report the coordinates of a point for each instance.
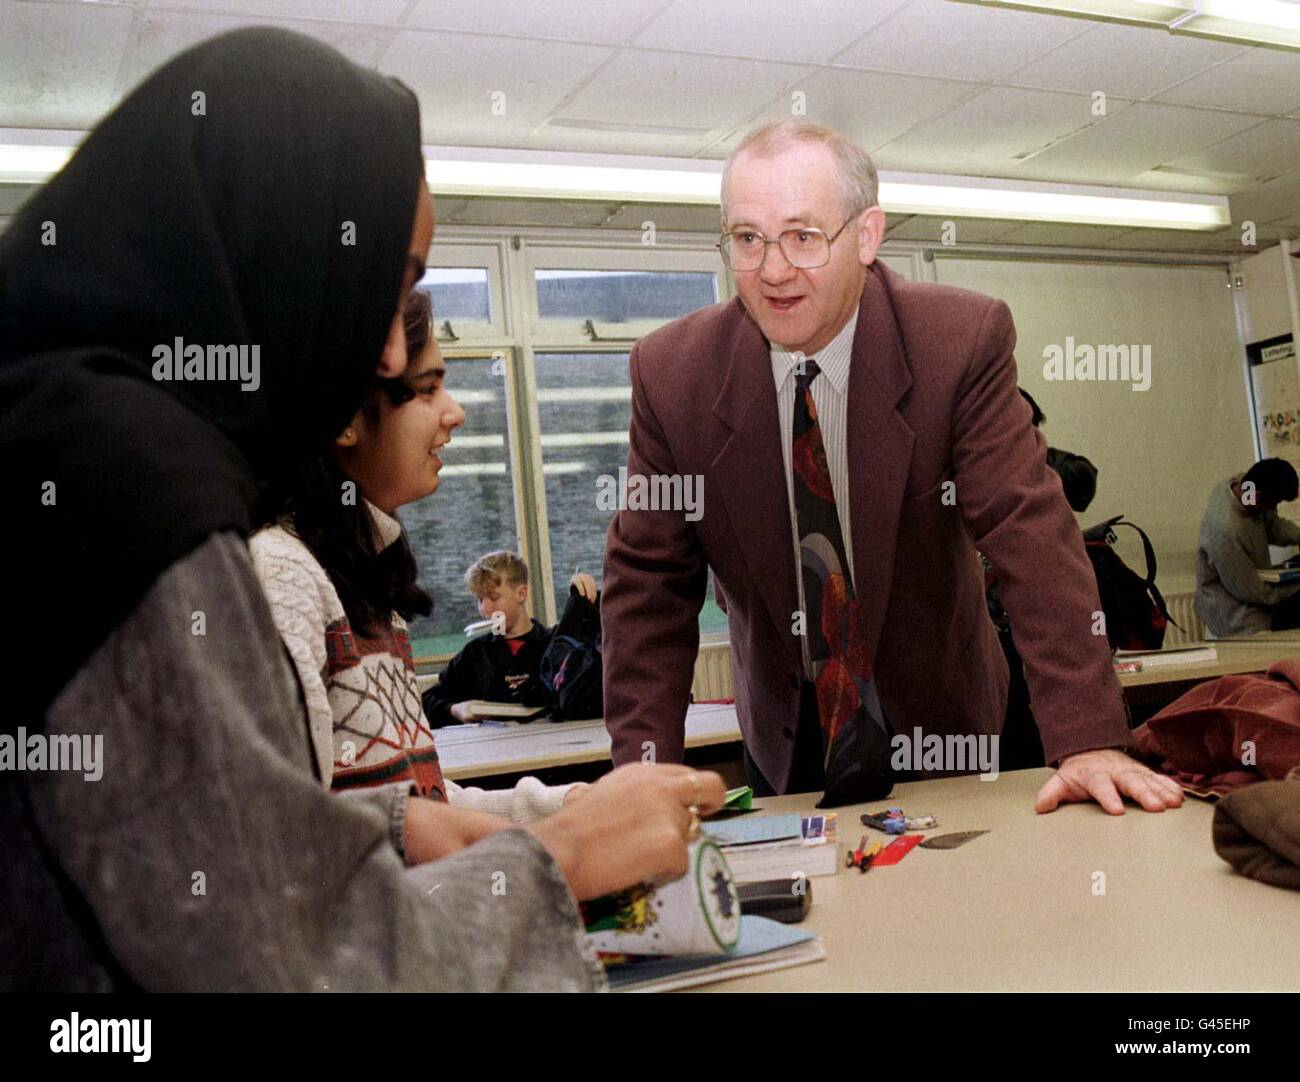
(1253, 654)
(479, 751)
(1015, 909)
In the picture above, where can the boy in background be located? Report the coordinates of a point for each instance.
(499, 668)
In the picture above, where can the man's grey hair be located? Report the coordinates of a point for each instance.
(859, 184)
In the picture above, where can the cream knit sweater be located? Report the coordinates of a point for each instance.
(363, 706)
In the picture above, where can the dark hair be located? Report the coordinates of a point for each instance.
(1274, 479)
(371, 584)
(1039, 416)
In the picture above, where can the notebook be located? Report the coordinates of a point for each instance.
(1174, 655)
(778, 846)
(481, 708)
(764, 945)
(1281, 574)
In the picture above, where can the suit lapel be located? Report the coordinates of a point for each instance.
(749, 473)
(879, 447)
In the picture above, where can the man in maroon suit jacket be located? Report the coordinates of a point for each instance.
(938, 457)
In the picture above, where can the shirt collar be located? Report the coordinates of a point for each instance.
(387, 528)
(833, 359)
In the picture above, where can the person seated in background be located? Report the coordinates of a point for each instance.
(341, 582)
(501, 667)
(1078, 475)
(1240, 522)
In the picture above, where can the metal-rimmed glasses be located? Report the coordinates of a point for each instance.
(806, 248)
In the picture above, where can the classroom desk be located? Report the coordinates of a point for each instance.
(1015, 909)
(1238, 655)
(481, 751)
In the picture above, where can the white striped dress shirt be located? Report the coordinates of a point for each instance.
(830, 392)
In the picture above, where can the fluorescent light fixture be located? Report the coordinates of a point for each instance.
(1257, 22)
(31, 157)
(978, 197)
(1141, 12)
(1261, 22)
(543, 175)
(548, 175)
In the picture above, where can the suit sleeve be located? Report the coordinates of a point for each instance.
(655, 581)
(1016, 510)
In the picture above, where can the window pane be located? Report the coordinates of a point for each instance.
(584, 405)
(458, 292)
(472, 512)
(619, 296)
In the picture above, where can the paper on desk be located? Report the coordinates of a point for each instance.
(762, 828)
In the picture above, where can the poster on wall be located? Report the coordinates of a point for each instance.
(1275, 386)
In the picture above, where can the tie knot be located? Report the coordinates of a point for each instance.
(805, 372)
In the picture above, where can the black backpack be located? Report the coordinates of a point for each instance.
(1136, 615)
(571, 671)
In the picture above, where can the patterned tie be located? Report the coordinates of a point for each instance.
(855, 736)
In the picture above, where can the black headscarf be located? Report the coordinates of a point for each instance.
(258, 189)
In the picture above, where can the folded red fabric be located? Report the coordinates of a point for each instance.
(1229, 732)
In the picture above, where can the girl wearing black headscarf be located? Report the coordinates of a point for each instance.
(253, 199)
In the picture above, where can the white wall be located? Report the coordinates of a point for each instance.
(1158, 451)
(1266, 306)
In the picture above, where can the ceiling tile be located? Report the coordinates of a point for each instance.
(58, 63)
(1261, 152)
(616, 139)
(1124, 61)
(700, 92)
(1132, 140)
(386, 12)
(1169, 178)
(666, 218)
(921, 227)
(1172, 240)
(1258, 81)
(959, 41)
(578, 20)
(824, 28)
(984, 134)
(161, 35)
(1063, 234)
(1269, 202)
(869, 107)
(455, 77)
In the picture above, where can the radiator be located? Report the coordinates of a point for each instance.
(713, 672)
(1180, 608)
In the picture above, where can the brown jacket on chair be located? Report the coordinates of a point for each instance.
(932, 400)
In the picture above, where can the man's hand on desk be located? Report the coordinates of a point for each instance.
(1107, 776)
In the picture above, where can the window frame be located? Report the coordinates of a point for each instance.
(471, 256)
